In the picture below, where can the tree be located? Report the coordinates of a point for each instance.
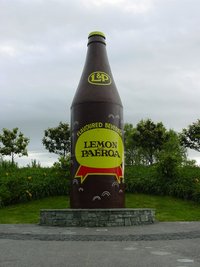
(190, 137)
(171, 156)
(13, 143)
(149, 137)
(57, 140)
(128, 144)
(133, 155)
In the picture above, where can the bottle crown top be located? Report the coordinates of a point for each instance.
(97, 33)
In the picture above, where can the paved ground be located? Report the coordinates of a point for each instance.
(157, 245)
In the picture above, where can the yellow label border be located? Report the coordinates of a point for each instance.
(98, 83)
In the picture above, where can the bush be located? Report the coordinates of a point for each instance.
(7, 165)
(143, 179)
(63, 163)
(25, 184)
(34, 164)
(168, 167)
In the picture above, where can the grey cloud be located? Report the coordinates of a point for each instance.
(153, 48)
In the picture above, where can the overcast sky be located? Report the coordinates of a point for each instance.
(153, 48)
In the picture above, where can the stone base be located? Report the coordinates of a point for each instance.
(96, 217)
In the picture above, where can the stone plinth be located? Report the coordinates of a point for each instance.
(96, 217)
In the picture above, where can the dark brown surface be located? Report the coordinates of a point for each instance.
(93, 104)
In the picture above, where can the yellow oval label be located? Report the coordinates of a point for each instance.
(100, 148)
(99, 78)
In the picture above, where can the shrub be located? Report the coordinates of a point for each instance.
(25, 184)
(143, 179)
(34, 164)
(7, 165)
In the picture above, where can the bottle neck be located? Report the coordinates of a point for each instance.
(97, 59)
(97, 66)
(96, 39)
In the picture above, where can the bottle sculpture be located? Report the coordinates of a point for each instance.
(97, 150)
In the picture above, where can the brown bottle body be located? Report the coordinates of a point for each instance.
(97, 155)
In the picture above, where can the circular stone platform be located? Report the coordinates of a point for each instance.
(96, 217)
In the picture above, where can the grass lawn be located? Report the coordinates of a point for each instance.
(167, 208)
(29, 212)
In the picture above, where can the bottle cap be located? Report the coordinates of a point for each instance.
(97, 33)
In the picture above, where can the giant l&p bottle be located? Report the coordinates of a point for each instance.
(97, 150)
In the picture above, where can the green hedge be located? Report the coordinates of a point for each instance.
(187, 185)
(143, 179)
(24, 184)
